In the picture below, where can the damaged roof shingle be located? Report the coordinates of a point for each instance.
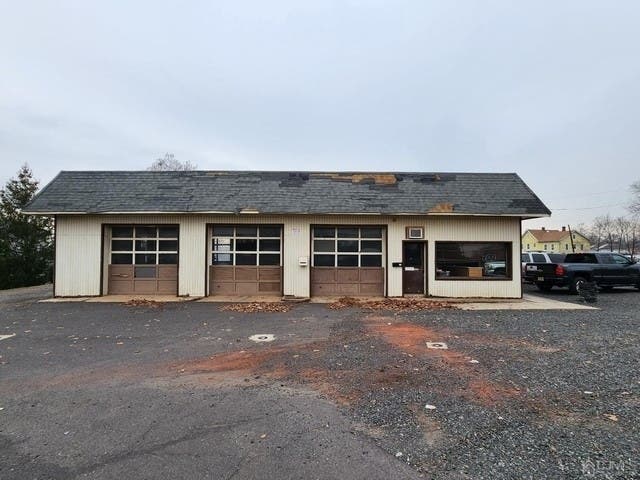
(288, 193)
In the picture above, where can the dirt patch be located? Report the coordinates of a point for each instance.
(516, 343)
(468, 380)
(240, 361)
(331, 384)
(408, 337)
(257, 307)
(431, 429)
(143, 302)
(390, 304)
(490, 393)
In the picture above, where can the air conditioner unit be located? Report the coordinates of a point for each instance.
(415, 232)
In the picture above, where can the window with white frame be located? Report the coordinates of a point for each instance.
(347, 246)
(144, 245)
(246, 245)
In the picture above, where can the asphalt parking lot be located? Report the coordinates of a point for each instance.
(95, 390)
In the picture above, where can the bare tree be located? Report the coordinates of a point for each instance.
(634, 207)
(601, 231)
(621, 227)
(169, 163)
(634, 238)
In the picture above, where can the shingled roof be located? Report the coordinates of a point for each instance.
(549, 235)
(93, 192)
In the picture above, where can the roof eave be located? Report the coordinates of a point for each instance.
(524, 216)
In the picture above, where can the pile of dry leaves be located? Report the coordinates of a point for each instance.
(143, 302)
(257, 307)
(396, 305)
(344, 302)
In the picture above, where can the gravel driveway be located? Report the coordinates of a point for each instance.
(110, 391)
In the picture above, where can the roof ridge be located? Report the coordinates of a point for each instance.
(355, 172)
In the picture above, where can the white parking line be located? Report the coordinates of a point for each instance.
(4, 337)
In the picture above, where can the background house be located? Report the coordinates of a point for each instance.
(554, 241)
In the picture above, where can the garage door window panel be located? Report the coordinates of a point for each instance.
(145, 258)
(122, 245)
(246, 232)
(168, 232)
(369, 246)
(145, 272)
(266, 232)
(270, 245)
(371, 261)
(246, 259)
(121, 259)
(269, 259)
(145, 245)
(223, 259)
(347, 260)
(246, 245)
(146, 232)
(324, 260)
(219, 231)
(347, 245)
(122, 232)
(324, 232)
(168, 246)
(168, 259)
(370, 232)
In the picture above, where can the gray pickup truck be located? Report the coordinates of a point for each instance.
(607, 270)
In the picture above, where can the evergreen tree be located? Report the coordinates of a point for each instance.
(26, 249)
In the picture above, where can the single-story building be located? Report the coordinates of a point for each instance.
(292, 234)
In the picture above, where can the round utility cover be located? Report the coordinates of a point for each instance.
(262, 337)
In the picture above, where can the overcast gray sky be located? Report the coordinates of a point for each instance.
(547, 89)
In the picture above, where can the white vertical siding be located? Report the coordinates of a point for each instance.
(192, 256)
(494, 229)
(296, 244)
(78, 246)
(395, 236)
(78, 249)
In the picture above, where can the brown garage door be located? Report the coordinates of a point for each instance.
(347, 260)
(245, 260)
(143, 259)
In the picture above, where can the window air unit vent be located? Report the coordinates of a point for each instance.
(415, 232)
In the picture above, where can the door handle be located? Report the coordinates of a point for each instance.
(121, 275)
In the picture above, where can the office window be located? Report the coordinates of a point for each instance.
(473, 260)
